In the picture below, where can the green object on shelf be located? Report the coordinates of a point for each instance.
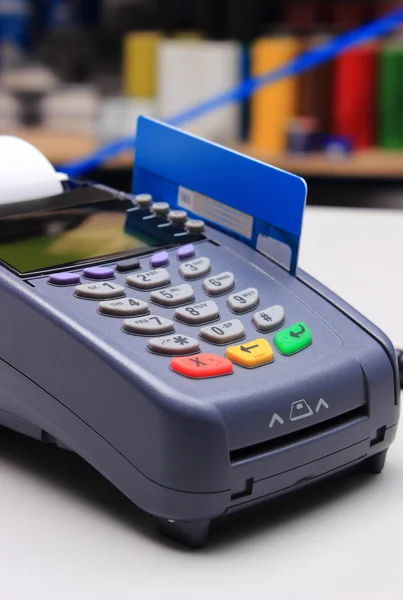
(390, 116)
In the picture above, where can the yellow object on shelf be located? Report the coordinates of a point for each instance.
(274, 105)
(140, 64)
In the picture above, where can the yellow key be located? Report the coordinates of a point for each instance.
(251, 354)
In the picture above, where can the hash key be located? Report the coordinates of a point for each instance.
(269, 319)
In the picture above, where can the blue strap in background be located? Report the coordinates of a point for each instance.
(307, 60)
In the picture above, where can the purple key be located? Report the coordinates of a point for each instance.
(185, 251)
(159, 259)
(64, 278)
(99, 273)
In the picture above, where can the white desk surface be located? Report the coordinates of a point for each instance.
(65, 533)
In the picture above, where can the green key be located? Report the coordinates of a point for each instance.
(292, 340)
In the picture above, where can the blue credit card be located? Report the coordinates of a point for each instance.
(239, 195)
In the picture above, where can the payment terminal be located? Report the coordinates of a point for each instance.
(168, 337)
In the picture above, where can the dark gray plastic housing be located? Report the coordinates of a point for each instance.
(189, 451)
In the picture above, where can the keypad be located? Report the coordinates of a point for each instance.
(173, 296)
(149, 280)
(243, 301)
(269, 319)
(100, 291)
(195, 268)
(251, 354)
(191, 307)
(152, 325)
(172, 345)
(219, 284)
(203, 312)
(223, 333)
(202, 366)
(125, 307)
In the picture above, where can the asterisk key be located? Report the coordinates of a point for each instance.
(179, 339)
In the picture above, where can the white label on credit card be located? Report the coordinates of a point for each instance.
(215, 212)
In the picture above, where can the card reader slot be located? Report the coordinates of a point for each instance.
(256, 450)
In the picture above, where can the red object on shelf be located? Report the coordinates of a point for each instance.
(353, 111)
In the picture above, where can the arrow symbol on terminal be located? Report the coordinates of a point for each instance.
(320, 404)
(298, 333)
(248, 349)
(276, 418)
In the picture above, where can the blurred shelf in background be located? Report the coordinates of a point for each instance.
(368, 164)
(372, 163)
(63, 148)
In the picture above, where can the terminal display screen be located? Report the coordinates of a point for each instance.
(44, 240)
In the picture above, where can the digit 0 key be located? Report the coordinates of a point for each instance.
(223, 333)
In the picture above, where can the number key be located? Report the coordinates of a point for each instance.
(150, 325)
(243, 301)
(195, 268)
(149, 280)
(123, 307)
(219, 284)
(99, 291)
(173, 296)
(198, 313)
(223, 333)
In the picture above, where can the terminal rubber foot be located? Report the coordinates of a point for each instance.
(376, 462)
(191, 533)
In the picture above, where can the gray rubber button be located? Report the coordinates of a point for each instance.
(152, 325)
(149, 280)
(177, 217)
(143, 200)
(243, 301)
(195, 268)
(223, 333)
(161, 209)
(173, 296)
(100, 291)
(173, 345)
(269, 318)
(203, 312)
(195, 226)
(219, 284)
(126, 307)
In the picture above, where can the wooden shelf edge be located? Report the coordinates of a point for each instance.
(373, 163)
(370, 164)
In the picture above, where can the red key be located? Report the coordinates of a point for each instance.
(200, 366)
